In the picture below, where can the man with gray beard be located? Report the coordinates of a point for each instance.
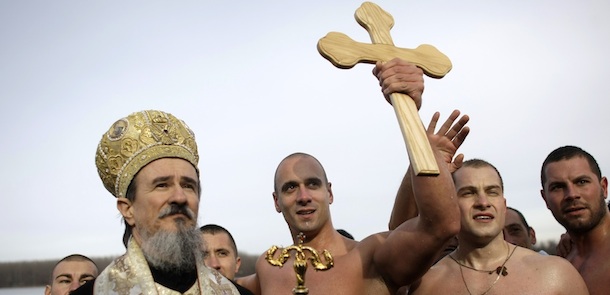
(148, 161)
(575, 191)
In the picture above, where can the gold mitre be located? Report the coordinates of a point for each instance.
(138, 139)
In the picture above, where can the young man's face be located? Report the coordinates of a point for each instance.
(220, 255)
(303, 196)
(574, 194)
(516, 233)
(69, 275)
(481, 201)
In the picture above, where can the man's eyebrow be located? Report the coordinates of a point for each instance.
(316, 180)
(555, 182)
(493, 186)
(287, 184)
(469, 187)
(189, 180)
(86, 275)
(514, 225)
(161, 179)
(64, 275)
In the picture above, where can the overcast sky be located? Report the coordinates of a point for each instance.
(247, 78)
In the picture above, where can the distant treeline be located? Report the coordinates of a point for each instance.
(38, 273)
(35, 273)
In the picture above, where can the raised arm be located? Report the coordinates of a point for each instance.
(405, 207)
(435, 196)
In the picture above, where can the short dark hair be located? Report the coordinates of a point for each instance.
(527, 226)
(478, 163)
(214, 229)
(73, 257)
(565, 153)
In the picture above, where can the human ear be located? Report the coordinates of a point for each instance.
(331, 197)
(275, 202)
(544, 198)
(124, 206)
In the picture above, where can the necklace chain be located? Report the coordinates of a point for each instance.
(500, 270)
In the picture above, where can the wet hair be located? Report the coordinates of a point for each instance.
(478, 163)
(565, 153)
(214, 229)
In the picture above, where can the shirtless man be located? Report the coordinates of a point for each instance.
(575, 192)
(378, 263)
(484, 263)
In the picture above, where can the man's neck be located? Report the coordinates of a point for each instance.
(482, 257)
(594, 239)
(330, 240)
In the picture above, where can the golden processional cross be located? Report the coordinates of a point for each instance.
(300, 262)
(345, 53)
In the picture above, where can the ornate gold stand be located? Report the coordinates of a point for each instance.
(300, 262)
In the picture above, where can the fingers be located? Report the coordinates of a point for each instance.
(399, 76)
(461, 136)
(458, 161)
(447, 125)
(455, 131)
(432, 124)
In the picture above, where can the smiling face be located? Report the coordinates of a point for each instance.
(303, 194)
(167, 193)
(574, 194)
(481, 201)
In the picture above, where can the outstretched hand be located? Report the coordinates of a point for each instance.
(449, 138)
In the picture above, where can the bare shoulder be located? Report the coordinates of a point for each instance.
(252, 282)
(553, 273)
(536, 260)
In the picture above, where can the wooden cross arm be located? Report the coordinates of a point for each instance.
(345, 53)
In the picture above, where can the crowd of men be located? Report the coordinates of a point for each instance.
(460, 235)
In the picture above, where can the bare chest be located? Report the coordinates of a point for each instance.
(595, 271)
(470, 283)
(346, 277)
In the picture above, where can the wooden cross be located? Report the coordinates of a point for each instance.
(345, 53)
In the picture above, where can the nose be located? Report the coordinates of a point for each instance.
(178, 195)
(74, 285)
(481, 201)
(303, 196)
(212, 261)
(571, 191)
